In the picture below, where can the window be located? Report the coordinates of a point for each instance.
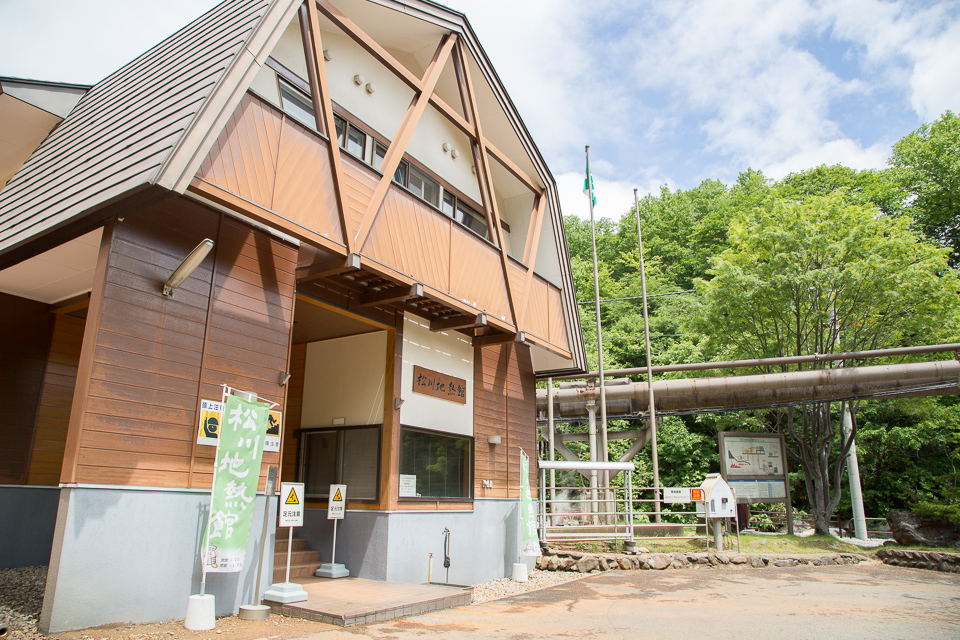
(297, 104)
(400, 175)
(442, 464)
(425, 187)
(356, 142)
(471, 220)
(379, 153)
(349, 456)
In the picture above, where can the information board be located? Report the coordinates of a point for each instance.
(291, 504)
(338, 502)
(755, 466)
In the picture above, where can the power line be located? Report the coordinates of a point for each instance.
(655, 295)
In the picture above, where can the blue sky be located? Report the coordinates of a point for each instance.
(665, 93)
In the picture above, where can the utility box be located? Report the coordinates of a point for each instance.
(719, 499)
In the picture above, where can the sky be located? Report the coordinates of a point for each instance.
(665, 93)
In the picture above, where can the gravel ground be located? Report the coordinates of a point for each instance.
(496, 589)
(21, 595)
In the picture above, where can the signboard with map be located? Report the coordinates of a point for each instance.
(754, 464)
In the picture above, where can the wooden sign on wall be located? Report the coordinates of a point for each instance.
(439, 385)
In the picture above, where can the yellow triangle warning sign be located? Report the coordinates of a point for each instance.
(337, 498)
(292, 498)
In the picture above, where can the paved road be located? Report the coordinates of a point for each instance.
(819, 603)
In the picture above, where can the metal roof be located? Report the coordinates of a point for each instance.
(125, 130)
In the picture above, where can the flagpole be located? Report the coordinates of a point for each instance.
(596, 297)
(646, 335)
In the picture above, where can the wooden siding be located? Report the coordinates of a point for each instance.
(292, 416)
(412, 238)
(538, 319)
(476, 274)
(268, 158)
(53, 416)
(149, 359)
(127, 126)
(359, 183)
(25, 328)
(504, 405)
(556, 323)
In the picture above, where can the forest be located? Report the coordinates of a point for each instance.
(828, 260)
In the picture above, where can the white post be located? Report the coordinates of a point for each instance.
(650, 401)
(333, 553)
(289, 552)
(550, 434)
(592, 413)
(603, 457)
(853, 474)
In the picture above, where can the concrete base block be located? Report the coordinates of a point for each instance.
(201, 613)
(328, 570)
(285, 593)
(254, 612)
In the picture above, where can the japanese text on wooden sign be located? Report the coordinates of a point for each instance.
(291, 504)
(439, 385)
(338, 502)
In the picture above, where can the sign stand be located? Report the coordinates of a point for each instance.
(335, 510)
(291, 515)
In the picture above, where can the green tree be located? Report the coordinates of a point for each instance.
(823, 275)
(928, 166)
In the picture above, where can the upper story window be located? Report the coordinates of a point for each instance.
(296, 104)
(352, 139)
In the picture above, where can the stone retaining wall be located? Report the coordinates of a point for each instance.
(558, 560)
(933, 560)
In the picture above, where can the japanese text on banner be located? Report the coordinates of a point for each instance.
(235, 478)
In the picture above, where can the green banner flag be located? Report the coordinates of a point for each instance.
(235, 478)
(528, 512)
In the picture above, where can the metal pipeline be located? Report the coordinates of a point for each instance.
(770, 362)
(765, 389)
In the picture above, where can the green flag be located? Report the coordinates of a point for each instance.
(588, 187)
(235, 478)
(528, 512)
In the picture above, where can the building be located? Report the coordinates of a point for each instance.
(347, 282)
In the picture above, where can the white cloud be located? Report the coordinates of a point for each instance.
(614, 197)
(82, 42)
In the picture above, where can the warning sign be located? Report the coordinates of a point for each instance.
(211, 417)
(291, 504)
(338, 502)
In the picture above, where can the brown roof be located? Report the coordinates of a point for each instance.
(123, 133)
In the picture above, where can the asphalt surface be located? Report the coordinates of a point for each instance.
(844, 602)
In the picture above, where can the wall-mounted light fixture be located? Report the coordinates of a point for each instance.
(328, 55)
(493, 439)
(284, 378)
(397, 403)
(371, 87)
(359, 80)
(446, 147)
(187, 267)
(454, 153)
(473, 168)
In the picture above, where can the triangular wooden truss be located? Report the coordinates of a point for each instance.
(450, 48)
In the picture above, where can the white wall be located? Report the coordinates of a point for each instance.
(444, 351)
(345, 378)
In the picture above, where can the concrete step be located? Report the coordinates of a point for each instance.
(304, 556)
(297, 571)
(299, 544)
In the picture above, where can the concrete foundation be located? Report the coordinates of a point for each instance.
(484, 543)
(133, 555)
(28, 517)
